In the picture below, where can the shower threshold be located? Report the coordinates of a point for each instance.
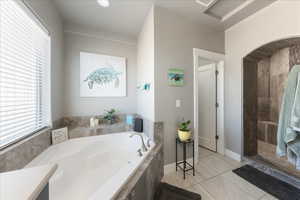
(276, 171)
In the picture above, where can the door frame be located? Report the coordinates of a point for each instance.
(217, 57)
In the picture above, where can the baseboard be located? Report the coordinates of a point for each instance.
(169, 168)
(233, 155)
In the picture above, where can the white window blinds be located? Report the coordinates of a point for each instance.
(24, 73)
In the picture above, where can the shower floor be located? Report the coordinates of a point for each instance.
(267, 153)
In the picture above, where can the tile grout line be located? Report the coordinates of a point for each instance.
(220, 174)
(207, 179)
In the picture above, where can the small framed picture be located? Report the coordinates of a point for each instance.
(176, 77)
(59, 135)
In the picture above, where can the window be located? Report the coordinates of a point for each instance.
(24, 73)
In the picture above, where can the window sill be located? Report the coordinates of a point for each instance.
(22, 140)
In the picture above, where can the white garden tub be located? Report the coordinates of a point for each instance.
(93, 167)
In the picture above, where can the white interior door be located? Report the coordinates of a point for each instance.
(207, 106)
(220, 109)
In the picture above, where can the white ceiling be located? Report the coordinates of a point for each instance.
(127, 16)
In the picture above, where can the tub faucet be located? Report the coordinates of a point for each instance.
(144, 148)
(140, 152)
(148, 143)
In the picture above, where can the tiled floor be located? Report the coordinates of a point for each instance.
(214, 180)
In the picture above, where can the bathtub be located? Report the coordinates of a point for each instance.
(95, 167)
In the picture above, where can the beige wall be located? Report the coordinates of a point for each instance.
(74, 105)
(145, 70)
(175, 38)
(50, 16)
(278, 21)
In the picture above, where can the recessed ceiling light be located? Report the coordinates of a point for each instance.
(103, 3)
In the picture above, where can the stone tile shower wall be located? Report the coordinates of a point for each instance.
(250, 107)
(265, 75)
(272, 73)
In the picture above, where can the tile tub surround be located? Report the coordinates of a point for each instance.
(159, 132)
(145, 181)
(20, 154)
(142, 184)
(79, 126)
(154, 130)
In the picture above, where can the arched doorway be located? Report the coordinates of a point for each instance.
(265, 72)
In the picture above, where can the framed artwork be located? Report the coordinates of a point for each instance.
(102, 75)
(176, 77)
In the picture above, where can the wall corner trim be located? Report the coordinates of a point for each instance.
(233, 155)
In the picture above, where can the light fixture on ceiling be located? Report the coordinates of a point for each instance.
(103, 3)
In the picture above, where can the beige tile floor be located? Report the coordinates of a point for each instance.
(214, 180)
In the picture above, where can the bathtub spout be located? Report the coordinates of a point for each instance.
(144, 148)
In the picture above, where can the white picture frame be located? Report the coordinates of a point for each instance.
(102, 75)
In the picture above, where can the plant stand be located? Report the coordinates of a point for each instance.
(184, 165)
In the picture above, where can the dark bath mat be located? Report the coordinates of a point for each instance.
(269, 184)
(170, 192)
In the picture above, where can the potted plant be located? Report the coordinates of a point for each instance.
(110, 116)
(184, 132)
